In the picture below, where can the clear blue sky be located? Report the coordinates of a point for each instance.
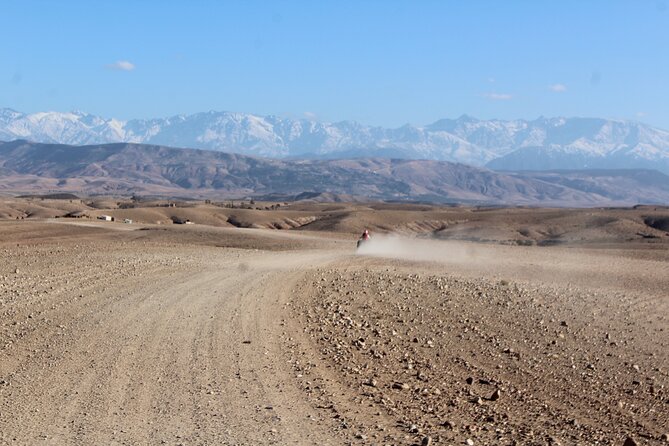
(378, 62)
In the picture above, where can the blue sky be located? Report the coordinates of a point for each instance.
(378, 62)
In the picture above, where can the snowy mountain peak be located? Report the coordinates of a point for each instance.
(543, 143)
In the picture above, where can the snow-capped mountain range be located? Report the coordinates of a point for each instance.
(540, 144)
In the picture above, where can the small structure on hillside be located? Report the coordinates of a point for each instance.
(127, 221)
(106, 218)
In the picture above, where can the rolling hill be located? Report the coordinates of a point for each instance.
(158, 170)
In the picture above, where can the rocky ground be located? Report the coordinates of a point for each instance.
(432, 357)
(173, 335)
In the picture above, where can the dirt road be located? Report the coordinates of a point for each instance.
(177, 337)
(107, 345)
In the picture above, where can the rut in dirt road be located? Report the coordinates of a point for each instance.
(187, 351)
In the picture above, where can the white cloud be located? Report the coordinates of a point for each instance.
(498, 96)
(558, 88)
(311, 116)
(122, 65)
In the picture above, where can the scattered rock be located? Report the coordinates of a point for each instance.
(400, 386)
(491, 356)
(629, 441)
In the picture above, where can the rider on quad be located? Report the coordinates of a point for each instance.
(363, 238)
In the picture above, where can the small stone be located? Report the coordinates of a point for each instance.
(413, 429)
(664, 437)
(427, 441)
(470, 442)
(470, 380)
(400, 386)
(371, 382)
(448, 424)
(629, 441)
(495, 395)
(636, 367)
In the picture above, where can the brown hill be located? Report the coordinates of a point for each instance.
(517, 226)
(125, 169)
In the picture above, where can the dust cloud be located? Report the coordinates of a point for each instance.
(417, 249)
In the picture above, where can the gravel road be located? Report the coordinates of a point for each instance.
(194, 337)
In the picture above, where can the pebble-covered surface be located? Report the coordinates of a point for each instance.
(433, 358)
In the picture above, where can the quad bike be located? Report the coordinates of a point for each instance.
(364, 238)
(361, 242)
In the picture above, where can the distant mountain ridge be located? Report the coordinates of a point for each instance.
(540, 144)
(122, 168)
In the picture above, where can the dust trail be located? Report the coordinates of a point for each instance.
(405, 248)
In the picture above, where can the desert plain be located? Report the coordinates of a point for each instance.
(259, 323)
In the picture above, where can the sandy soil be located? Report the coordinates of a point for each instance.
(201, 335)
